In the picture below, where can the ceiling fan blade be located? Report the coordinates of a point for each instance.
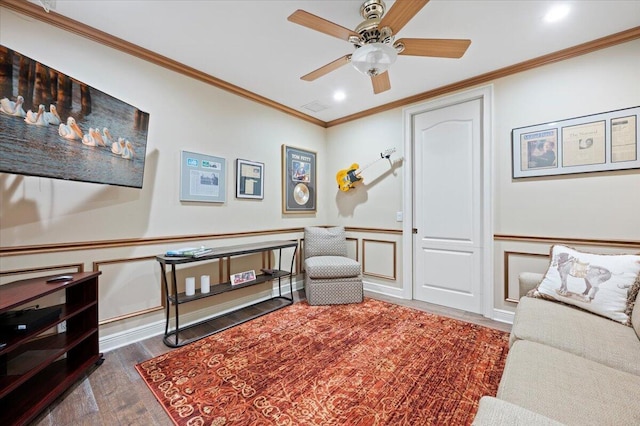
(436, 47)
(381, 82)
(400, 13)
(317, 23)
(331, 66)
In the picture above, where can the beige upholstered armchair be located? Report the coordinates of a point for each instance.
(331, 277)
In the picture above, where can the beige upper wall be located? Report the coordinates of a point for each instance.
(184, 115)
(597, 205)
(374, 201)
(592, 206)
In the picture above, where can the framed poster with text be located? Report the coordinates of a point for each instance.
(202, 178)
(594, 143)
(298, 180)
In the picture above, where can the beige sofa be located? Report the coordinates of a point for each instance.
(566, 366)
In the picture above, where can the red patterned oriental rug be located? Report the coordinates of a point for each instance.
(373, 363)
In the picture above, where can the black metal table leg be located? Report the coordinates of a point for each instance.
(175, 294)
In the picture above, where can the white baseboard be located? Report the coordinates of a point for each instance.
(503, 316)
(127, 337)
(499, 315)
(383, 289)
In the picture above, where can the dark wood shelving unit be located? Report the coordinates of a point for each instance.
(175, 299)
(36, 368)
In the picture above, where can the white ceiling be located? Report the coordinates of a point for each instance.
(252, 45)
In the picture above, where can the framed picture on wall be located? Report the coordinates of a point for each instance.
(249, 179)
(298, 180)
(44, 141)
(202, 178)
(595, 143)
(539, 150)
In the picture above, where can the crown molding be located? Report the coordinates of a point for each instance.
(561, 55)
(52, 18)
(83, 30)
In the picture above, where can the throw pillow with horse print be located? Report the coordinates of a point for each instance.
(598, 283)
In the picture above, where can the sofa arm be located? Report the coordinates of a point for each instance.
(496, 412)
(528, 281)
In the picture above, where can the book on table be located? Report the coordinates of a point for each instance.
(190, 252)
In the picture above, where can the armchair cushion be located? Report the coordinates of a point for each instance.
(325, 241)
(331, 267)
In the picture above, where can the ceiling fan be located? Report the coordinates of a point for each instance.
(374, 38)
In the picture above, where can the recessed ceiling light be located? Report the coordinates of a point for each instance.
(557, 13)
(339, 96)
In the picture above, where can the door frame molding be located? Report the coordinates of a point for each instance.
(485, 95)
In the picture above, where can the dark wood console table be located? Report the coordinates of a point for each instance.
(37, 367)
(172, 337)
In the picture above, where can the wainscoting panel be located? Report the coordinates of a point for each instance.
(23, 274)
(128, 288)
(352, 248)
(379, 259)
(517, 262)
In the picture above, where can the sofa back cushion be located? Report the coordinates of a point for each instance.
(325, 241)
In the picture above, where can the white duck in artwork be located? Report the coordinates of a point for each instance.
(88, 139)
(52, 116)
(118, 147)
(36, 118)
(93, 138)
(13, 108)
(128, 152)
(70, 130)
(97, 136)
(106, 136)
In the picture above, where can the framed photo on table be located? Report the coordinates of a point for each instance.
(243, 277)
(298, 180)
(594, 143)
(249, 179)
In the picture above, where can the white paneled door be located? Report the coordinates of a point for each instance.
(448, 185)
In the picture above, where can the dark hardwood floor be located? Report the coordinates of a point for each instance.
(114, 393)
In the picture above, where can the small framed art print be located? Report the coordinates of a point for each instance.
(249, 179)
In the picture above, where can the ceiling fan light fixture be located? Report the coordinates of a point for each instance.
(374, 58)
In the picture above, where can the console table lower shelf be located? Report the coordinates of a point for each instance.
(188, 334)
(182, 335)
